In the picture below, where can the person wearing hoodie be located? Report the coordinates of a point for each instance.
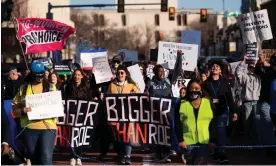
(218, 87)
(251, 87)
(123, 84)
(161, 87)
(266, 71)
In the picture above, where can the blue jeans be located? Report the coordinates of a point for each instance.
(40, 145)
(222, 122)
(267, 135)
(251, 123)
(126, 150)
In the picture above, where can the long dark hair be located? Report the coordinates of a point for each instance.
(128, 77)
(80, 92)
(188, 91)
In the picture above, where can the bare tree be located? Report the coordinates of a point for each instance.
(206, 29)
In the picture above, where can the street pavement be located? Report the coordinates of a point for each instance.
(236, 157)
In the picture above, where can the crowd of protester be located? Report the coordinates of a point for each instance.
(207, 109)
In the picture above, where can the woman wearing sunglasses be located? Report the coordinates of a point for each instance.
(123, 84)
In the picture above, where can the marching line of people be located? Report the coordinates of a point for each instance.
(207, 108)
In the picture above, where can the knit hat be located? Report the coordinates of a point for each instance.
(37, 67)
(117, 58)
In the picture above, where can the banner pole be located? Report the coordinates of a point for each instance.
(24, 55)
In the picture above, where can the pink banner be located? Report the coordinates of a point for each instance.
(42, 35)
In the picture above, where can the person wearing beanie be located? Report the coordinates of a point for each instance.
(39, 135)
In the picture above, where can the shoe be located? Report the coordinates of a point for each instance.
(127, 160)
(223, 160)
(215, 157)
(173, 153)
(28, 162)
(183, 159)
(79, 162)
(73, 162)
(167, 160)
(123, 160)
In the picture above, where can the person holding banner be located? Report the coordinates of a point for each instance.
(194, 125)
(123, 84)
(39, 135)
(217, 86)
(160, 86)
(78, 88)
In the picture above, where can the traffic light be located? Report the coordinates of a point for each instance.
(121, 6)
(164, 5)
(203, 15)
(171, 13)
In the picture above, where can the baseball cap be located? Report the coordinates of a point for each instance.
(37, 67)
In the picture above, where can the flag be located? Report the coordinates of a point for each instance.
(42, 35)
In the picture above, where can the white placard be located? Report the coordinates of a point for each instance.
(45, 105)
(167, 52)
(137, 76)
(102, 69)
(150, 73)
(176, 88)
(87, 56)
(254, 26)
(80, 47)
(128, 55)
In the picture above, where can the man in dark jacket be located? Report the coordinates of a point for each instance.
(219, 90)
(12, 85)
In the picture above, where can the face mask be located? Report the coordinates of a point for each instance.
(195, 95)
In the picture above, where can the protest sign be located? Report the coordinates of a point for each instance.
(78, 123)
(42, 35)
(192, 37)
(167, 52)
(255, 26)
(251, 51)
(128, 55)
(178, 85)
(87, 56)
(45, 105)
(62, 69)
(140, 119)
(102, 69)
(46, 61)
(150, 73)
(137, 76)
(81, 47)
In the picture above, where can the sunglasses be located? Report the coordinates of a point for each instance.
(118, 62)
(120, 73)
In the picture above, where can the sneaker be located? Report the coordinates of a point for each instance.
(127, 160)
(215, 157)
(183, 159)
(28, 162)
(79, 162)
(123, 160)
(73, 162)
(223, 160)
(173, 153)
(167, 160)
